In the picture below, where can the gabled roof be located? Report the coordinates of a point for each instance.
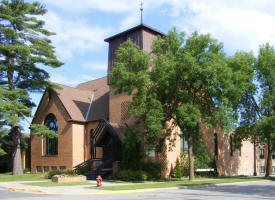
(76, 101)
(141, 26)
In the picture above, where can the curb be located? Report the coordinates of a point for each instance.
(27, 190)
(13, 189)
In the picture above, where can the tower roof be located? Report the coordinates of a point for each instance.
(141, 26)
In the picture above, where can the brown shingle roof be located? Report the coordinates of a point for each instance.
(141, 26)
(77, 100)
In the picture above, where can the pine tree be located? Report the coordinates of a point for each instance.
(24, 47)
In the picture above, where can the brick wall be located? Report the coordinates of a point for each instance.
(64, 157)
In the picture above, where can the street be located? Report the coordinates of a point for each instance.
(237, 191)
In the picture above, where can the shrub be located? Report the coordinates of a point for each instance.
(26, 170)
(132, 156)
(130, 175)
(69, 172)
(184, 163)
(140, 175)
(50, 174)
(123, 175)
(152, 169)
(177, 172)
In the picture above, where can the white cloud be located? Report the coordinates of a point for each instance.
(241, 25)
(74, 36)
(103, 5)
(65, 80)
(132, 20)
(95, 66)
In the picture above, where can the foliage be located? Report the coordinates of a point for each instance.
(26, 171)
(52, 173)
(24, 47)
(68, 172)
(189, 82)
(202, 157)
(177, 171)
(184, 164)
(130, 175)
(152, 169)
(132, 156)
(258, 102)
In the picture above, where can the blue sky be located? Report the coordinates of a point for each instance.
(81, 27)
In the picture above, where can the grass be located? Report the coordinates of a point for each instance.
(53, 184)
(177, 184)
(7, 177)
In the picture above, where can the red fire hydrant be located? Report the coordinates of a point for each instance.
(99, 180)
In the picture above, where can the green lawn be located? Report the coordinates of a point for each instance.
(177, 184)
(5, 177)
(53, 184)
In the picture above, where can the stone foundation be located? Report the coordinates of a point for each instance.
(68, 179)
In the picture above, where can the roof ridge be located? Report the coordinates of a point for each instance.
(91, 81)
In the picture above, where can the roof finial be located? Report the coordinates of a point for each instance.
(141, 10)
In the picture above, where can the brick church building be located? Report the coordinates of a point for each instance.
(90, 120)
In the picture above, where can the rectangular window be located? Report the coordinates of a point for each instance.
(46, 169)
(261, 153)
(231, 145)
(273, 154)
(273, 169)
(215, 144)
(53, 168)
(62, 168)
(38, 169)
(262, 169)
(183, 144)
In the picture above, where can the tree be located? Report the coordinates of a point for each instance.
(24, 48)
(189, 82)
(257, 120)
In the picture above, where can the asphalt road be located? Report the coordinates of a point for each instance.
(236, 191)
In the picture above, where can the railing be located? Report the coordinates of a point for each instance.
(84, 164)
(105, 164)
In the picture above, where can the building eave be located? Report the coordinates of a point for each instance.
(141, 26)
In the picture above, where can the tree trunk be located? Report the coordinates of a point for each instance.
(16, 157)
(269, 161)
(191, 159)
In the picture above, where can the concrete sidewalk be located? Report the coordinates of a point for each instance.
(20, 186)
(65, 190)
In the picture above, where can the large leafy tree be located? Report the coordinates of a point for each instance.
(257, 120)
(184, 81)
(24, 47)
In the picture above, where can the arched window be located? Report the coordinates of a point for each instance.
(215, 144)
(51, 144)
